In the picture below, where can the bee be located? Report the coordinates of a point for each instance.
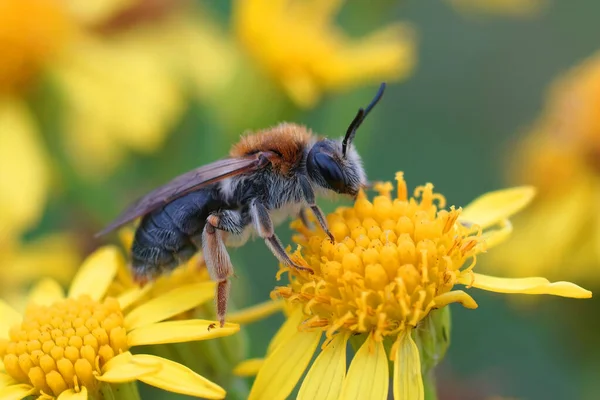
(269, 175)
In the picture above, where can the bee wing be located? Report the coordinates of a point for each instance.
(186, 183)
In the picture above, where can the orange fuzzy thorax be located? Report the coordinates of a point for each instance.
(288, 139)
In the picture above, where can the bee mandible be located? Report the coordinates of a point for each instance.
(269, 175)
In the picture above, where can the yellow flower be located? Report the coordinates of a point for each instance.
(22, 264)
(394, 261)
(24, 177)
(514, 8)
(79, 346)
(560, 157)
(118, 68)
(24, 185)
(297, 43)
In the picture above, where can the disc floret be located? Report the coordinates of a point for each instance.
(64, 345)
(394, 260)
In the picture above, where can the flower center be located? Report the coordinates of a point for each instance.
(391, 258)
(62, 346)
(30, 32)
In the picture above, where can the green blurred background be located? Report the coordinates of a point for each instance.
(480, 80)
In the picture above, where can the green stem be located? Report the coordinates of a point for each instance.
(430, 387)
(120, 391)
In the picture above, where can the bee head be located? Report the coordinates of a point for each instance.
(335, 164)
(329, 169)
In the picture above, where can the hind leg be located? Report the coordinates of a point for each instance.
(218, 263)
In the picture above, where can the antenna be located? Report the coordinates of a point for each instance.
(360, 117)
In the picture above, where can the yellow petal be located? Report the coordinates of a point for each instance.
(455, 296)
(493, 207)
(287, 330)
(388, 53)
(249, 367)
(209, 76)
(177, 378)
(408, 382)
(132, 295)
(52, 256)
(179, 331)
(368, 376)
(24, 176)
(8, 318)
(16, 392)
(255, 313)
(97, 273)
(126, 236)
(326, 375)
(170, 304)
(122, 359)
(302, 88)
(124, 368)
(46, 292)
(98, 133)
(525, 286)
(6, 380)
(501, 232)
(284, 367)
(73, 395)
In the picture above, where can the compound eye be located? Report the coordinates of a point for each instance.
(330, 171)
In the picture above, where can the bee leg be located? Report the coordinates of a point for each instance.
(322, 221)
(218, 265)
(309, 196)
(264, 227)
(228, 220)
(304, 218)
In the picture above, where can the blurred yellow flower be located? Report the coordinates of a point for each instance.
(297, 43)
(560, 156)
(514, 8)
(76, 347)
(22, 264)
(394, 261)
(24, 173)
(123, 69)
(24, 185)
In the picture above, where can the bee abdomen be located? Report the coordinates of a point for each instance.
(149, 261)
(189, 213)
(162, 240)
(163, 231)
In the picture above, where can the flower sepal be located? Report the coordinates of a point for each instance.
(432, 336)
(120, 391)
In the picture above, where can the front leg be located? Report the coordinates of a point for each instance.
(264, 227)
(309, 197)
